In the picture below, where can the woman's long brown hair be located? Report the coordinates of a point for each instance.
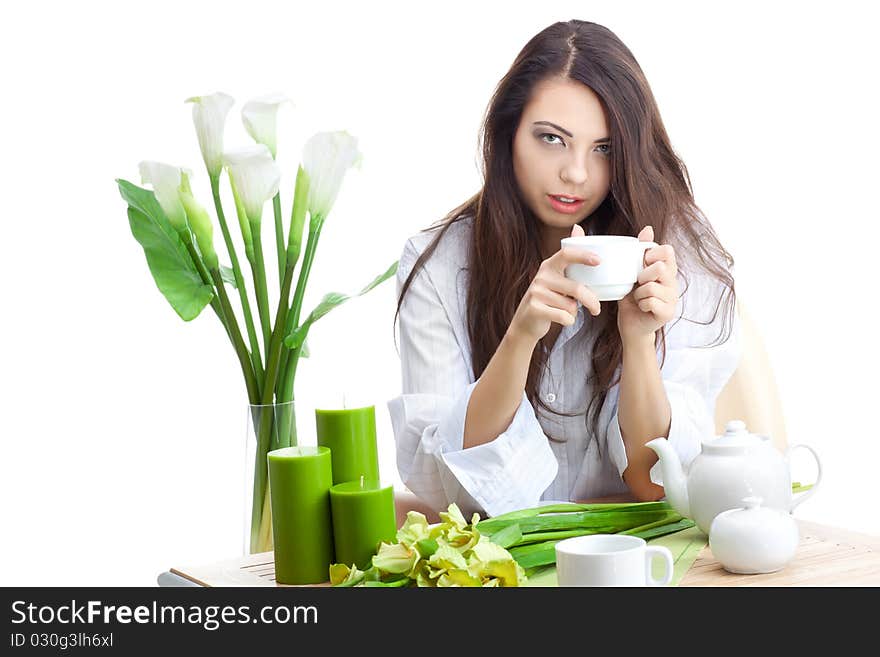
(649, 186)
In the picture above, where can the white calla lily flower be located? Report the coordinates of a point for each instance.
(260, 119)
(209, 117)
(255, 177)
(165, 180)
(326, 158)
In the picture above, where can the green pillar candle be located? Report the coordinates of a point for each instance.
(350, 433)
(299, 491)
(363, 516)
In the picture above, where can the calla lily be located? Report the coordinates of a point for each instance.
(209, 117)
(255, 177)
(199, 222)
(327, 156)
(260, 119)
(165, 180)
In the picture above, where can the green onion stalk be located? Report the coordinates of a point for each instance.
(531, 535)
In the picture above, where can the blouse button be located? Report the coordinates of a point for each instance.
(551, 398)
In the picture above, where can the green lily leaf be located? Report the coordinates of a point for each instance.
(228, 276)
(169, 261)
(328, 303)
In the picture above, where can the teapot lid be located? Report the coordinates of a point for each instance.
(735, 436)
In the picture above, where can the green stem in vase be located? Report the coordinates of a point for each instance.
(279, 237)
(256, 360)
(266, 418)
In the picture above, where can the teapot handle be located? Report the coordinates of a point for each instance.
(802, 497)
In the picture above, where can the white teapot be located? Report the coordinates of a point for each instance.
(730, 467)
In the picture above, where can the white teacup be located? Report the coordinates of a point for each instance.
(622, 260)
(610, 560)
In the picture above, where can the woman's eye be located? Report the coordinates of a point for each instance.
(549, 134)
(606, 146)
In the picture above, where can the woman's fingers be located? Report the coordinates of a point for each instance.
(556, 300)
(571, 256)
(660, 271)
(577, 291)
(554, 314)
(660, 264)
(656, 290)
(651, 304)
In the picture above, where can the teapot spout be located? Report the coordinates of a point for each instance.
(674, 481)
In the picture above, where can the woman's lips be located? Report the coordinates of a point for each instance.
(565, 208)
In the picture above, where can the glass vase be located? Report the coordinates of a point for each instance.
(269, 427)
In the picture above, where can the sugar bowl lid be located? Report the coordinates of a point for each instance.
(753, 539)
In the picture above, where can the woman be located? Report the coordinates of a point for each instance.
(511, 392)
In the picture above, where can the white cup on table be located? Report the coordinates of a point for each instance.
(610, 560)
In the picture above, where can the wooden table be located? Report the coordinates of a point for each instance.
(826, 556)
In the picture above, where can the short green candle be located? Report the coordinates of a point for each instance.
(299, 490)
(363, 516)
(350, 434)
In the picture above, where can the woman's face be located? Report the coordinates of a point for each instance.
(571, 157)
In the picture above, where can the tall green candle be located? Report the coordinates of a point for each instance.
(350, 433)
(299, 490)
(363, 515)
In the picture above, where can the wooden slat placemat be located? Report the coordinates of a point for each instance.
(253, 570)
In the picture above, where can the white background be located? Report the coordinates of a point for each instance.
(123, 427)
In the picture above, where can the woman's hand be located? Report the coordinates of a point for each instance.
(551, 297)
(651, 304)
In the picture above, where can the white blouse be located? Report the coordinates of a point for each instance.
(522, 466)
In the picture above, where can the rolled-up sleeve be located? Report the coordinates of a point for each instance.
(693, 373)
(428, 418)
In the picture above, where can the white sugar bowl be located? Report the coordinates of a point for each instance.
(753, 539)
